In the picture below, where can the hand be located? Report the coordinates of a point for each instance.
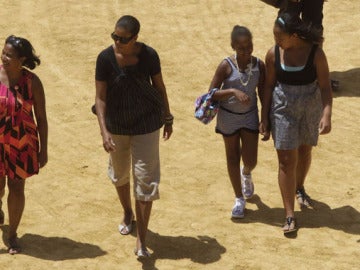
(325, 125)
(241, 96)
(42, 158)
(108, 143)
(264, 130)
(167, 132)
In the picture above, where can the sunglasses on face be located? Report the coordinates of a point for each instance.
(122, 40)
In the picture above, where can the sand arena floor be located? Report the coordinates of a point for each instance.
(72, 212)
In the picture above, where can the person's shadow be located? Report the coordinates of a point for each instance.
(200, 249)
(53, 248)
(349, 82)
(345, 218)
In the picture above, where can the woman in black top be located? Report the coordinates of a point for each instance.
(298, 101)
(131, 105)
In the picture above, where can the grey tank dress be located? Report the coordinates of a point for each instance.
(233, 115)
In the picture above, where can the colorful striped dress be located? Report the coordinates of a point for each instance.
(19, 143)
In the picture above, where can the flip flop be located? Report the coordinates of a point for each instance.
(126, 229)
(142, 253)
(290, 226)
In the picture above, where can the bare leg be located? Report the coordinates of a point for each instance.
(2, 193)
(303, 164)
(249, 142)
(287, 178)
(125, 200)
(143, 211)
(233, 156)
(16, 204)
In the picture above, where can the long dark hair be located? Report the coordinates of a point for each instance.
(24, 48)
(293, 24)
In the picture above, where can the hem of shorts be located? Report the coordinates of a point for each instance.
(255, 131)
(293, 148)
(145, 198)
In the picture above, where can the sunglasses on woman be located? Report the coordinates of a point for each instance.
(122, 40)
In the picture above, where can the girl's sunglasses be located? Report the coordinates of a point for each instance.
(122, 40)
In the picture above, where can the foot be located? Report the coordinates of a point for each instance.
(126, 228)
(303, 199)
(14, 247)
(247, 185)
(238, 209)
(2, 215)
(290, 225)
(142, 253)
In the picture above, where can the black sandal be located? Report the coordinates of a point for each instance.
(303, 199)
(290, 225)
(14, 247)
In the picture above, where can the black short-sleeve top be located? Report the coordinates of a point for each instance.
(133, 105)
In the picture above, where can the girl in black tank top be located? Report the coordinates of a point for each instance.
(298, 101)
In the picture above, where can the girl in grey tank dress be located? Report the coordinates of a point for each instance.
(234, 115)
(237, 119)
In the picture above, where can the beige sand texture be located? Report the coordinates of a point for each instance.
(72, 211)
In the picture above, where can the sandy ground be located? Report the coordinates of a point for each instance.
(72, 212)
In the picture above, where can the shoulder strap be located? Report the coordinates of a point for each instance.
(310, 60)
(277, 56)
(231, 63)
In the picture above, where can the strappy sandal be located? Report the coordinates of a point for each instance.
(2, 215)
(290, 225)
(303, 199)
(142, 253)
(126, 229)
(14, 247)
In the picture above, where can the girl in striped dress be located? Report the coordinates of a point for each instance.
(23, 141)
(238, 76)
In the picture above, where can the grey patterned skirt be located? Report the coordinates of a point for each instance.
(295, 115)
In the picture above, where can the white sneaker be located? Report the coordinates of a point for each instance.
(247, 185)
(238, 209)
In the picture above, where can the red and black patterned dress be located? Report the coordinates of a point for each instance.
(19, 143)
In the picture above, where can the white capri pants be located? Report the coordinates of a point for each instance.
(142, 152)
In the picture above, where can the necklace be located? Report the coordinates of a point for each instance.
(249, 73)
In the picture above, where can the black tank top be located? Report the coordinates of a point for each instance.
(302, 77)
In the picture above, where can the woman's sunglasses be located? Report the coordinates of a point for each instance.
(122, 40)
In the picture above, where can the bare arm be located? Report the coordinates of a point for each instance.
(323, 77)
(158, 83)
(221, 73)
(41, 119)
(100, 104)
(261, 84)
(270, 82)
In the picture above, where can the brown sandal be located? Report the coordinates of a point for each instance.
(290, 225)
(14, 247)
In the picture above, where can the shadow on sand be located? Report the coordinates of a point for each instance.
(200, 249)
(53, 248)
(345, 218)
(349, 82)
